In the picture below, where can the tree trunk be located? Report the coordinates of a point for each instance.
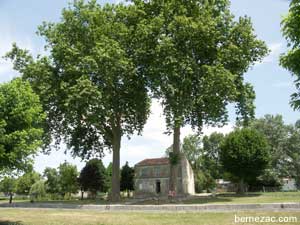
(241, 187)
(115, 192)
(10, 197)
(82, 192)
(174, 167)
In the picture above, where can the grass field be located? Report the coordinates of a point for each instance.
(271, 197)
(83, 217)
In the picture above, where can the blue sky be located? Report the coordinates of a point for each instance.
(273, 85)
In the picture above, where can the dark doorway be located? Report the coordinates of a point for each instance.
(157, 186)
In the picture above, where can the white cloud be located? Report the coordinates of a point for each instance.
(6, 40)
(275, 51)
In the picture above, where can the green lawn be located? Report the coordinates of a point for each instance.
(271, 197)
(83, 217)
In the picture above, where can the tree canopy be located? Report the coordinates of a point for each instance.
(203, 153)
(277, 134)
(245, 154)
(68, 178)
(52, 183)
(194, 54)
(93, 177)
(127, 178)
(25, 182)
(21, 125)
(89, 84)
(290, 60)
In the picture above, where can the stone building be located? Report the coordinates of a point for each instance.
(152, 178)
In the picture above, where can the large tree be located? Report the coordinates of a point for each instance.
(290, 60)
(89, 83)
(245, 154)
(195, 54)
(21, 125)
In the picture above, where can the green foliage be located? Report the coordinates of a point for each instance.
(292, 149)
(269, 178)
(90, 83)
(8, 185)
(21, 125)
(277, 134)
(204, 182)
(174, 158)
(52, 184)
(68, 178)
(195, 55)
(191, 148)
(127, 178)
(211, 154)
(290, 60)
(25, 182)
(37, 191)
(245, 153)
(203, 155)
(93, 177)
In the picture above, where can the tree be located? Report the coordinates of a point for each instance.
(127, 178)
(195, 54)
(21, 125)
(24, 183)
(52, 183)
(211, 154)
(192, 149)
(37, 191)
(203, 155)
(109, 176)
(68, 178)
(245, 154)
(90, 84)
(93, 177)
(290, 60)
(292, 149)
(8, 186)
(276, 133)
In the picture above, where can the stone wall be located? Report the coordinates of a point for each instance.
(146, 178)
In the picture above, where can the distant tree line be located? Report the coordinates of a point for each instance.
(62, 182)
(258, 155)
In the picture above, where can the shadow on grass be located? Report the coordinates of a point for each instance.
(10, 223)
(233, 195)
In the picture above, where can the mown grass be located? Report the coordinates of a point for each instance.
(270, 197)
(226, 198)
(231, 198)
(84, 217)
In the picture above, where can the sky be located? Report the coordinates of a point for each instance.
(273, 85)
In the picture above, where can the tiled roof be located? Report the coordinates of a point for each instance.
(152, 162)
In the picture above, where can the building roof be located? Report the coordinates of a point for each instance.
(153, 162)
